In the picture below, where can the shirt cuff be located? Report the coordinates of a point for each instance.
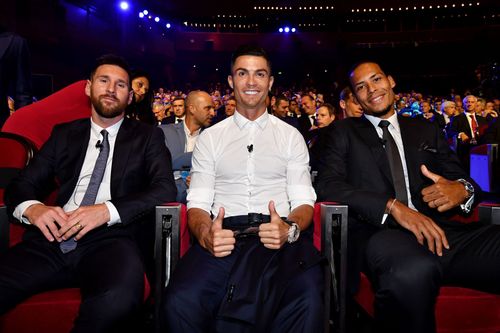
(114, 217)
(467, 206)
(21, 208)
(384, 218)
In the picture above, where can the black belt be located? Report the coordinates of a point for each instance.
(245, 225)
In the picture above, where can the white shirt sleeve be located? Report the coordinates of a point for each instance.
(21, 208)
(202, 187)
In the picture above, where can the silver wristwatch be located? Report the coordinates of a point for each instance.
(467, 205)
(293, 231)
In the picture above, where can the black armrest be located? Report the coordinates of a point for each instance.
(334, 225)
(166, 252)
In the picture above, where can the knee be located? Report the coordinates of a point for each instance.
(413, 277)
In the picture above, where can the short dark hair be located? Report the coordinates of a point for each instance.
(112, 59)
(251, 50)
(179, 98)
(307, 95)
(280, 98)
(330, 108)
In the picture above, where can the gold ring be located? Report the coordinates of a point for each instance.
(78, 226)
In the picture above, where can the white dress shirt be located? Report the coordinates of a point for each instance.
(104, 194)
(241, 165)
(396, 134)
(190, 138)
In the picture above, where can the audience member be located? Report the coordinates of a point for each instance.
(111, 171)
(348, 104)
(248, 268)
(178, 111)
(467, 128)
(280, 111)
(308, 118)
(401, 183)
(180, 138)
(141, 106)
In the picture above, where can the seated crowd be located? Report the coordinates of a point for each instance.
(241, 160)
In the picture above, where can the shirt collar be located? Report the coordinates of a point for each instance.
(188, 132)
(112, 130)
(242, 121)
(376, 120)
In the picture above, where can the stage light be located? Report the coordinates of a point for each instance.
(141, 15)
(145, 12)
(168, 25)
(287, 29)
(124, 5)
(293, 29)
(280, 29)
(157, 19)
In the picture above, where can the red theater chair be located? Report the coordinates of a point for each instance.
(173, 240)
(17, 151)
(51, 311)
(458, 310)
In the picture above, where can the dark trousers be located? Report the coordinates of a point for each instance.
(109, 272)
(200, 283)
(407, 276)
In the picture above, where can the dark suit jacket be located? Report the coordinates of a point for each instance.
(355, 170)
(141, 175)
(492, 135)
(460, 124)
(15, 73)
(304, 126)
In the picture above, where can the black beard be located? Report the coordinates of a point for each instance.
(107, 112)
(383, 112)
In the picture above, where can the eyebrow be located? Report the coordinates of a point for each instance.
(246, 70)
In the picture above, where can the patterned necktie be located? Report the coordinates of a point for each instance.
(473, 124)
(398, 177)
(93, 187)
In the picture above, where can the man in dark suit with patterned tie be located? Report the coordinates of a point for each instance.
(111, 172)
(402, 183)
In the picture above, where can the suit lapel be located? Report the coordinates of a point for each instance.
(74, 156)
(369, 136)
(121, 153)
(181, 135)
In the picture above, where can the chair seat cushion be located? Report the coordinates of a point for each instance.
(51, 311)
(457, 309)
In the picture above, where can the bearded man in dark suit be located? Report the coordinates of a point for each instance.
(400, 232)
(91, 237)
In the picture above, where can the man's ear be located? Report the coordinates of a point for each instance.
(391, 81)
(87, 88)
(271, 81)
(230, 81)
(342, 104)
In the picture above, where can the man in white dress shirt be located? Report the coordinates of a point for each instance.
(249, 200)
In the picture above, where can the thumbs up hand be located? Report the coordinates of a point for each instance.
(275, 233)
(444, 194)
(221, 241)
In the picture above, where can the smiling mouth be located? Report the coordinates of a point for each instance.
(251, 92)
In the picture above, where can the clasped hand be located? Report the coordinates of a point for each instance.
(56, 224)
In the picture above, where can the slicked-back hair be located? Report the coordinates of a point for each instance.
(346, 93)
(250, 50)
(112, 59)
